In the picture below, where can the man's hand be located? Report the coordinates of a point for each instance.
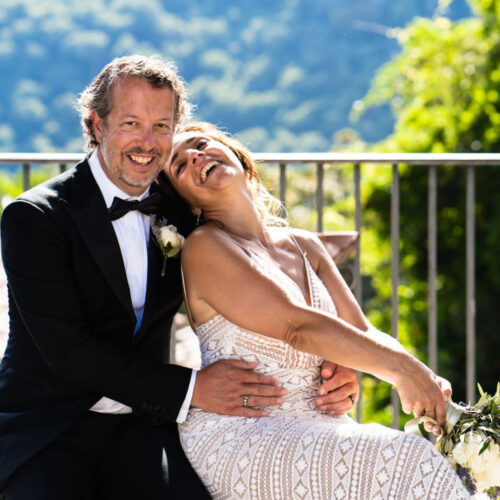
(336, 392)
(222, 386)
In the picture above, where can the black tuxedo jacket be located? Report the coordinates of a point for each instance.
(71, 318)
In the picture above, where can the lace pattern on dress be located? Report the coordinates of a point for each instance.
(298, 452)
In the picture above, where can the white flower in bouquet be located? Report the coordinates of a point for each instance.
(467, 449)
(472, 443)
(484, 466)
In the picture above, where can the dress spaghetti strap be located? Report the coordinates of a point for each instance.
(186, 302)
(306, 266)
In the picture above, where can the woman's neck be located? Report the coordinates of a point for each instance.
(239, 217)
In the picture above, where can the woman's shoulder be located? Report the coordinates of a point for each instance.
(200, 237)
(307, 240)
(206, 242)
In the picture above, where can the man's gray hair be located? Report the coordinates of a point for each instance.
(97, 96)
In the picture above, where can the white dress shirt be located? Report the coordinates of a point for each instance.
(132, 233)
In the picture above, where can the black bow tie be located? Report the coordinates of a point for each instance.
(147, 206)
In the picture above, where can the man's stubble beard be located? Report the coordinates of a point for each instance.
(131, 181)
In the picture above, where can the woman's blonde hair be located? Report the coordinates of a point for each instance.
(270, 208)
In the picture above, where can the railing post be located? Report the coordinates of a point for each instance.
(395, 277)
(26, 176)
(432, 268)
(470, 287)
(62, 167)
(319, 195)
(358, 289)
(283, 183)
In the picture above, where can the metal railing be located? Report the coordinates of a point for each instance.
(284, 160)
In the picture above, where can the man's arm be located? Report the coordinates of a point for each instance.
(221, 387)
(341, 384)
(84, 350)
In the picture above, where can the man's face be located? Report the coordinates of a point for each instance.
(135, 139)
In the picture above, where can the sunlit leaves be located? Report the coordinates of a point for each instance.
(443, 89)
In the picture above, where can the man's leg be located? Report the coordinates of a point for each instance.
(130, 460)
(64, 469)
(134, 464)
(184, 483)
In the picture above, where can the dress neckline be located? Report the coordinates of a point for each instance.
(308, 299)
(267, 264)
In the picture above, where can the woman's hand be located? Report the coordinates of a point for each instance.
(422, 392)
(445, 387)
(446, 390)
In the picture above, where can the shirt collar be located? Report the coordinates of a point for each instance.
(108, 188)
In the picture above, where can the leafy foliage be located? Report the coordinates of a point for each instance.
(443, 89)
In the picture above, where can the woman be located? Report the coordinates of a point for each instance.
(273, 295)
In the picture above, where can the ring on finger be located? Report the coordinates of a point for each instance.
(245, 400)
(351, 397)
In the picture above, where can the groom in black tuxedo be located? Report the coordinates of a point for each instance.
(82, 380)
(87, 404)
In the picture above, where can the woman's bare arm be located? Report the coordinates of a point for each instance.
(349, 310)
(222, 278)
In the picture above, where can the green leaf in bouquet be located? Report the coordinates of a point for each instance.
(480, 389)
(486, 445)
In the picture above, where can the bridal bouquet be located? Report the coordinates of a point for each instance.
(471, 443)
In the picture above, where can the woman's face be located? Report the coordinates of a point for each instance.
(201, 166)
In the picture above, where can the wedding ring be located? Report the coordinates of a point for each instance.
(245, 400)
(351, 397)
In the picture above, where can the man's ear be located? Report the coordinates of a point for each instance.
(97, 125)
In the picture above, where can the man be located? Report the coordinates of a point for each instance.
(86, 401)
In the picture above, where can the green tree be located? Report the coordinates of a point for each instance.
(443, 89)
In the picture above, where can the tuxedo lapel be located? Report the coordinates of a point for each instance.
(163, 292)
(154, 276)
(89, 212)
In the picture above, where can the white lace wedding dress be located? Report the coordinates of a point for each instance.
(297, 452)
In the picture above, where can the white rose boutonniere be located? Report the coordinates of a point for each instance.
(167, 238)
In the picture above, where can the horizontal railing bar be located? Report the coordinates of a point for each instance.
(407, 158)
(41, 157)
(472, 159)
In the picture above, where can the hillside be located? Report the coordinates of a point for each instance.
(282, 74)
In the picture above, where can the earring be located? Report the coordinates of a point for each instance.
(197, 213)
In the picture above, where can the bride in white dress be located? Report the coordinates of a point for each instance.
(273, 296)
